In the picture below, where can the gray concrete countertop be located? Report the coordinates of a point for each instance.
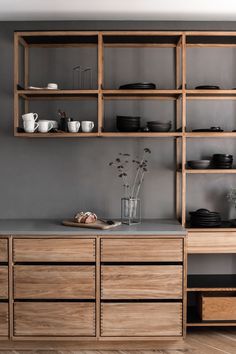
(26, 227)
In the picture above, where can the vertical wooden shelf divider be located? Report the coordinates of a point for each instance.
(26, 73)
(183, 129)
(100, 83)
(16, 80)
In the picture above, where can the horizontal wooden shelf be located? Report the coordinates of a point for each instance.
(210, 134)
(194, 320)
(56, 93)
(56, 135)
(113, 94)
(211, 171)
(141, 134)
(210, 94)
(96, 134)
(211, 282)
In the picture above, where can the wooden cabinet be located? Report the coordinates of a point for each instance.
(54, 250)
(93, 288)
(142, 250)
(54, 319)
(3, 319)
(3, 250)
(141, 319)
(54, 282)
(141, 282)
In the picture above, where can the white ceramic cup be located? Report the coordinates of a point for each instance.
(30, 116)
(30, 126)
(87, 126)
(73, 126)
(52, 86)
(45, 126)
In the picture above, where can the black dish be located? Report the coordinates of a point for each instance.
(207, 87)
(208, 130)
(138, 86)
(129, 118)
(222, 156)
(204, 218)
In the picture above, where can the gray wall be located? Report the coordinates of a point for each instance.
(57, 177)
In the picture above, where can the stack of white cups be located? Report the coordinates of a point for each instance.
(29, 122)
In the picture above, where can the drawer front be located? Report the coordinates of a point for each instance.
(141, 282)
(54, 319)
(211, 242)
(54, 282)
(141, 250)
(3, 282)
(54, 250)
(221, 308)
(3, 250)
(3, 319)
(141, 319)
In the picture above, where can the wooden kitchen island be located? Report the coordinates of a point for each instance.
(69, 284)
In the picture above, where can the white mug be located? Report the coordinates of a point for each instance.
(52, 86)
(30, 126)
(30, 116)
(45, 126)
(87, 126)
(73, 126)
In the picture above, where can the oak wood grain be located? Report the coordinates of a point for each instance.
(51, 250)
(211, 242)
(141, 282)
(54, 282)
(141, 319)
(141, 250)
(3, 282)
(3, 319)
(218, 308)
(3, 250)
(54, 319)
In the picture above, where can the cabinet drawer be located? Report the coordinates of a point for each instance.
(3, 319)
(215, 307)
(211, 242)
(141, 250)
(54, 282)
(3, 282)
(3, 250)
(141, 282)
(54, 250)
(141, 319)
(54, 319)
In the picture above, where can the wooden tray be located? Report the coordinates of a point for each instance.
(96, 225)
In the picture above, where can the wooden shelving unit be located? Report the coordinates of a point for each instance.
(99, 40)
(181, 94)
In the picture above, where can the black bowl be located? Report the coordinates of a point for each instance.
(128, 118)
(222, 157)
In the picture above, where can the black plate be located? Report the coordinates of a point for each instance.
(207, 87)
(207, 130)
(138, 86)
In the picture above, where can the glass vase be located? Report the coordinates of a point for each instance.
(130, 211)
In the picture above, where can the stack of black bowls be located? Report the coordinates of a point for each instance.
(222, 161)
(127, 123)
(204, 218)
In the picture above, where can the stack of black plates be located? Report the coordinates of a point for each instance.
(204, 218)
(127, 123)
(138, 86)
(222, 161)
